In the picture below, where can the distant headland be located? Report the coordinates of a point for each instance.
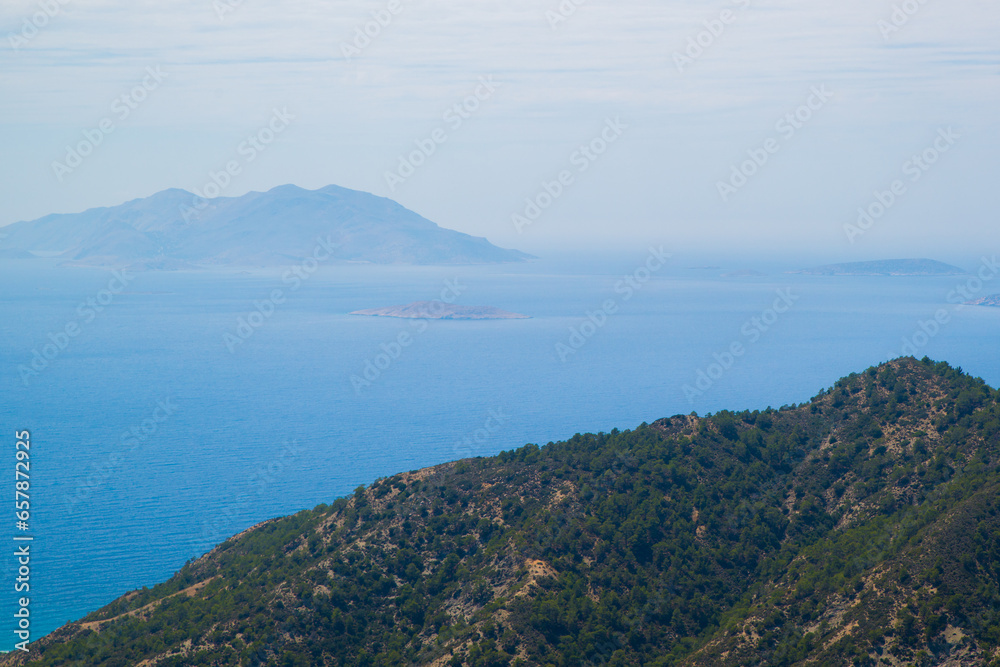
(886, 267)
(439, 310)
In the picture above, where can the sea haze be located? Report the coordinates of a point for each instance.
(277, 424)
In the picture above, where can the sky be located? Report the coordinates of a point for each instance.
(758, 127)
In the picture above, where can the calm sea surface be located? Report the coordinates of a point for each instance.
(152, 440)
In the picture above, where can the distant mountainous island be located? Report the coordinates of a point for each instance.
(991, 300)
(886, 267)
(175, 229)
(438, 310)
(859, 528)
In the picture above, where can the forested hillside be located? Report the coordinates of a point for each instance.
(859, 528)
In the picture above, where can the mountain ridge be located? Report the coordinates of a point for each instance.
(176, 229)
(861, 527)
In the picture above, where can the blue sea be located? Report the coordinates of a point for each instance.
(175, 416)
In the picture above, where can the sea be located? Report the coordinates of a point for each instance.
(168, 411)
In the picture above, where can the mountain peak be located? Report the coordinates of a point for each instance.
(277, 227)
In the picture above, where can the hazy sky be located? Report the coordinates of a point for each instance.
(886, 92)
